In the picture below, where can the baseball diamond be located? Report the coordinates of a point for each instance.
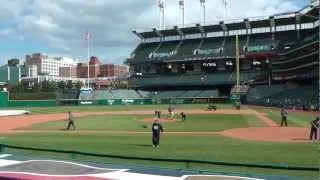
(230, 100)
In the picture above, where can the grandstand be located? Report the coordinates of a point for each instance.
(278, 62)
(274, 51)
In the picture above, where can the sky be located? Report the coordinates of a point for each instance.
(58, 27)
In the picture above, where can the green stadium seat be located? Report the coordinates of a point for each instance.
(166, 50)
(143, 50)
(187, 48)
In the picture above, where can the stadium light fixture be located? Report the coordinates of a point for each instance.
(161, 5)
(181, 6)
(225, 4)
(203, 11)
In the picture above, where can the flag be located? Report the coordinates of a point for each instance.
(87, 37)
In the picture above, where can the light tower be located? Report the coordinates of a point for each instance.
(161, 5)
(203, 11)
(181, 6)
(225, 4)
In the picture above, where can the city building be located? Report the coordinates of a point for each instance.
(96, 69)
(12, 73)
(47, 65)
(43, 68)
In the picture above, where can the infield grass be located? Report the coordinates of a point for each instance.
(194, 123)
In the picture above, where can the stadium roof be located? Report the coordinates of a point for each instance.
(305, 15)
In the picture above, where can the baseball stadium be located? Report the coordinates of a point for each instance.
(219, 92)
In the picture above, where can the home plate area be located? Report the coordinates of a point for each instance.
(13, 169)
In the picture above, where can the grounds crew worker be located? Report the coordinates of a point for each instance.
(315, 125)
(71, 121)
(284, 114)
(156, 131)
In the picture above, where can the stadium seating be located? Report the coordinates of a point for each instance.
(261, 92)
(86, 97)
(209, 94)
(144, 94)
(167, 49)
(230, 45)
(143, 50)
(187, 94)
(191, 94)
(294, 97)
(211, 44)
(125, 94)
(103, 94)
(168, 94)
(187, 48)
(286, 37)
(192, 79)
(260, 43)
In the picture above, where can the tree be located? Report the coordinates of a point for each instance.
(35, 87)
(45, 86)
(18, 88)
(78, 85)
(62, 85)
(69, 84)
(53, 86)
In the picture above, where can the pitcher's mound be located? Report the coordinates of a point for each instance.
(163, 120)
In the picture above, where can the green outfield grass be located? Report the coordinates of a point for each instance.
(194, 123)
(64, 109)
(205, 147)
(213, 147)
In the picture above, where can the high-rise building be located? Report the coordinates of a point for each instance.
(12, 72)
(48, 66)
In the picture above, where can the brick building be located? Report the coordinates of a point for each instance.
(96, 69)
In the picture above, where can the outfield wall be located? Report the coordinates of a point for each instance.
(153, 101)
(5, 102)
(32, 103)
(4, 99)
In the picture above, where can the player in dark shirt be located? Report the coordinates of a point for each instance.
(283, 114)
(157, 114)
(71, 121)
(156, 132)
(315, 125)
(183, 116)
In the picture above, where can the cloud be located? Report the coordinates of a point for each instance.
(62, 24)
